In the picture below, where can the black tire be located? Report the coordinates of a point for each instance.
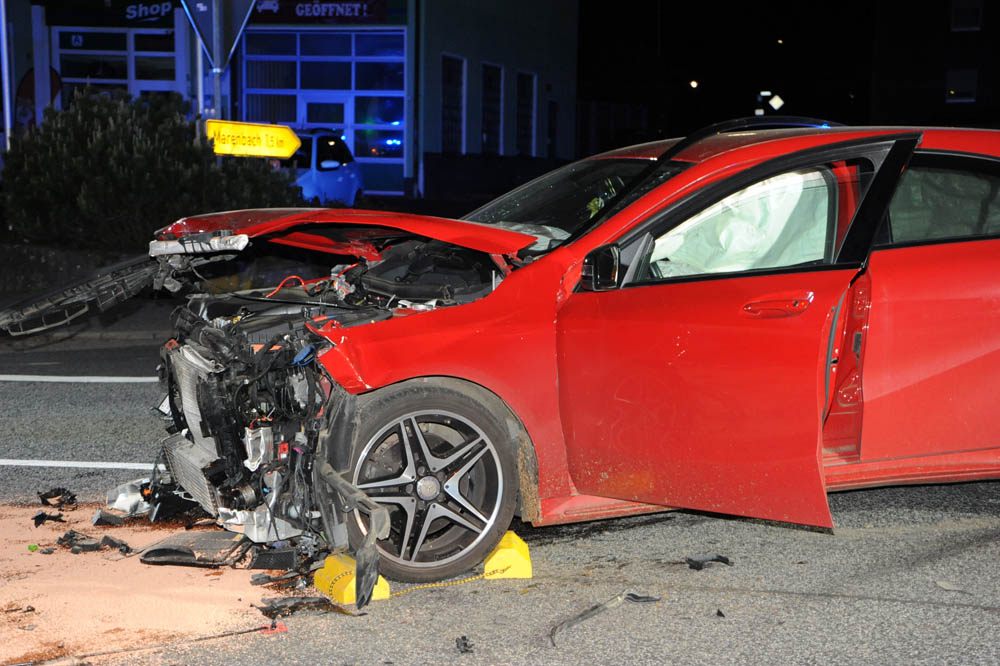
(453, 498)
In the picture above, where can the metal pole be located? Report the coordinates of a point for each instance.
(5, 65)
(216, 56)
(200, 76)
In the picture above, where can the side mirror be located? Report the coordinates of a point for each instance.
(600, 268)
(329, 165)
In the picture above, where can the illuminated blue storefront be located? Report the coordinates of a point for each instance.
(424, 92)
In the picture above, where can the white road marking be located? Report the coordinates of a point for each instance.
(78, 464)
(69, 379)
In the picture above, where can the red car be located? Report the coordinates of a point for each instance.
(736, 322)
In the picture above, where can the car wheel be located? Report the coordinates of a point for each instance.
(443, 465)
(359, 200)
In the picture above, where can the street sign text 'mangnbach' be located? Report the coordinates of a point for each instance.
(251, 139)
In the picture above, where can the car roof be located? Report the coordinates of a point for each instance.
(934, 138)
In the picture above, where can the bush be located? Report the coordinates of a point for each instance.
(109, 171)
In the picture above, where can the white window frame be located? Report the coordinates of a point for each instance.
(303, 95)
(133, 85)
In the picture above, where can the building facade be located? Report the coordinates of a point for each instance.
(417, 87)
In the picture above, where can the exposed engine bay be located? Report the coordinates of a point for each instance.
(259, 434)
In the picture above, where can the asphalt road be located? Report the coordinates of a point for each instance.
(910, 575)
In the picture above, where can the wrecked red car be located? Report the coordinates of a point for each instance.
(735, 322)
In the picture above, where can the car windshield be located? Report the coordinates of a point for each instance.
(566, 202)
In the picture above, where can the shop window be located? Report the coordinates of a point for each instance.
(154, 69)
(491, 109)
(70, 90)
(325, 44)
(452, 105)
(270, 43)
(526, 114)
(132, 60)
(378, 110)
(325, 75)
(80, 66)
(270, 108)
(93, 41)
(379, 76)
(378, 143)
(379, 45)
(270, 74)
(155, 43)
(325, 112)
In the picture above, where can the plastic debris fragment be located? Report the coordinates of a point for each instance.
(128, 498)
(951, 587)
(78, 542)
(700, 562)
(59, 498)
(116, 544)
(283, 606)
(626, 595)
(102, 517)
(42, 517)
(464, 645)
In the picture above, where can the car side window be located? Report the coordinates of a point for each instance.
(935, 203)
(330, 147)
(786, 220)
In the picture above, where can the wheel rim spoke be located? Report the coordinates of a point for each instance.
(409, 473)
(451, 487)
(409, 507)
(435, 511)
(461, 451)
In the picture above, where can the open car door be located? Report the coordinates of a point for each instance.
(698, 379)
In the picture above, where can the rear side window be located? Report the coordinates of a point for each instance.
(941, 203)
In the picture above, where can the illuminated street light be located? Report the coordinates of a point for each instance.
(693, 84)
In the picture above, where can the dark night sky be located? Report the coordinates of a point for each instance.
(647, 52)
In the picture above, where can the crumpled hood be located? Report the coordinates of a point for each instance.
(261, 221)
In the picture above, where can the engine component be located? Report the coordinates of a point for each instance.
(260, 446)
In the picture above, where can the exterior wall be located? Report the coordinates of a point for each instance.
(520, 36)
(916, 54)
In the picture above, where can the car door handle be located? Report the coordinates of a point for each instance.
(773, 308)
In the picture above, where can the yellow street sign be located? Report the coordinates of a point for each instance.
(251, 139)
